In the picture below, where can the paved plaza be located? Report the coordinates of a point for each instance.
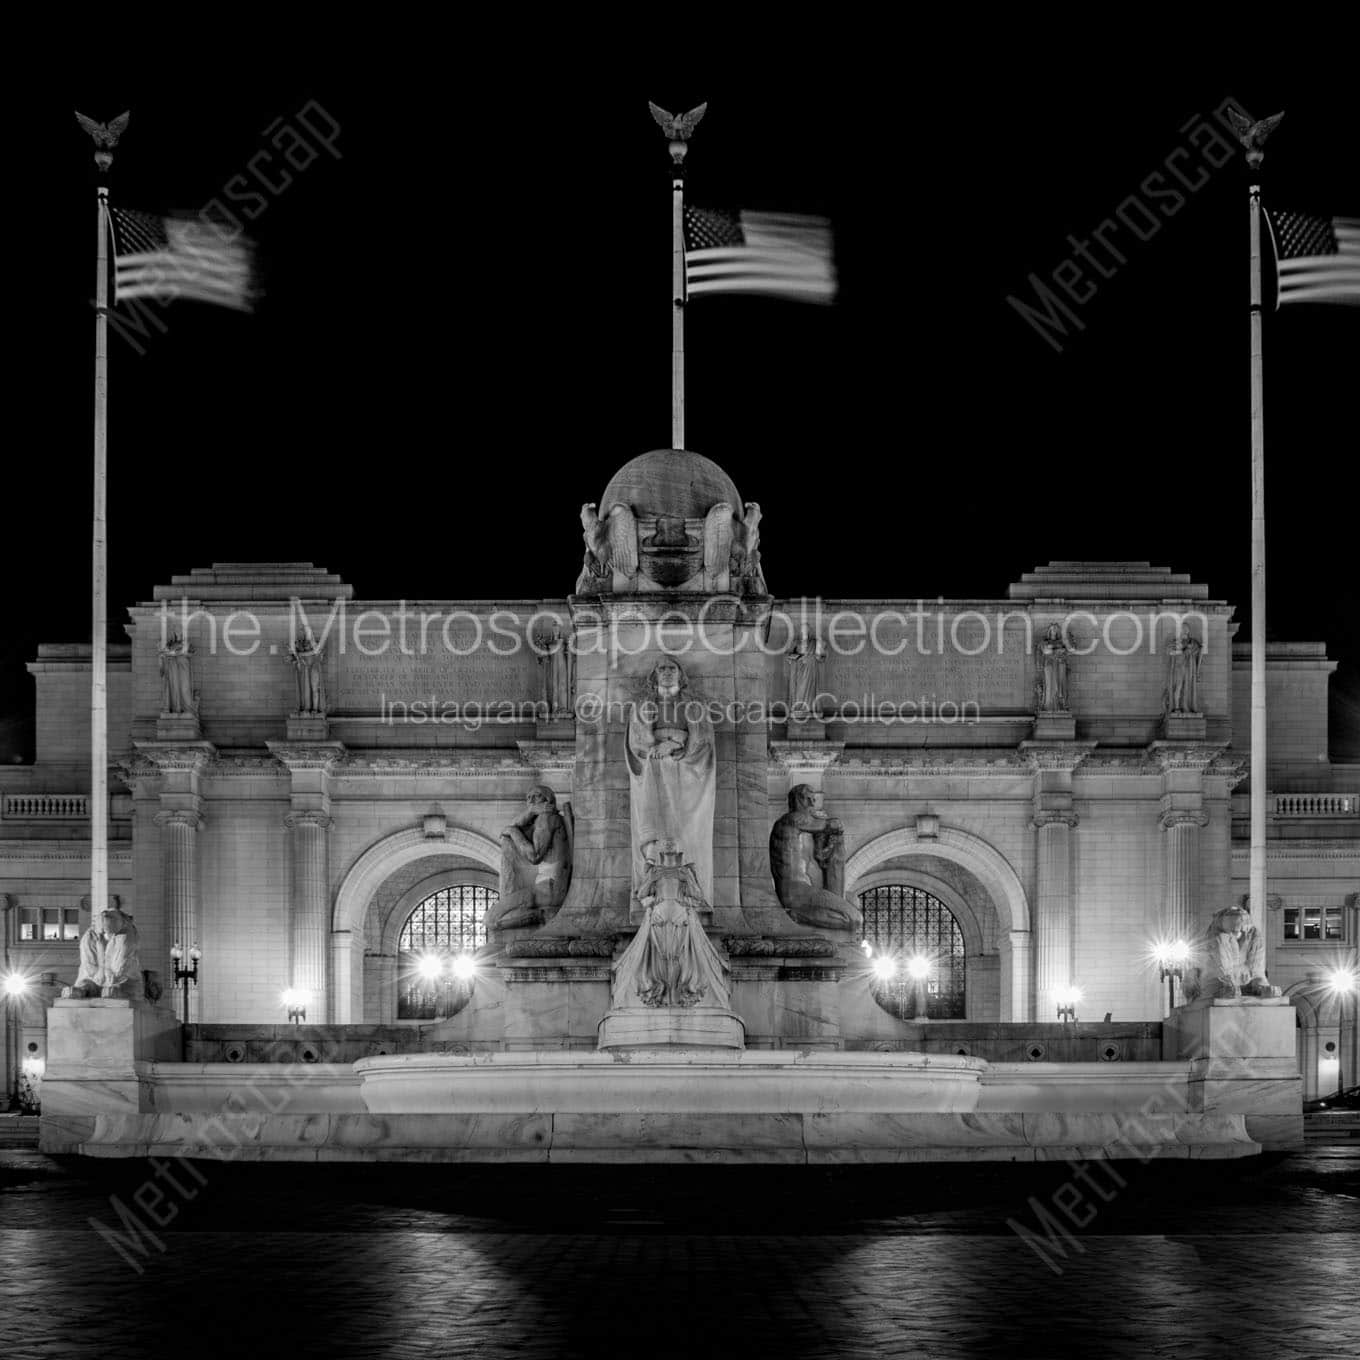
(1242, 1260)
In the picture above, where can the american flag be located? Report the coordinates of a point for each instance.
(778, 254)
(180, 257)
(1317, 259)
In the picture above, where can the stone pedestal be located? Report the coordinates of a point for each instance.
(1055, 727)
(669, 1027)
(307, 727)
(96, 1056)
(1242, 1061)
(178, 727)
(1184, 727)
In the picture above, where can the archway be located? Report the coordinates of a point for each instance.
(350, 920)
(905, 849)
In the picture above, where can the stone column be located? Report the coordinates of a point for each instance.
(1180, 911)
(310, 931)
(1053, 911)
(179, 874)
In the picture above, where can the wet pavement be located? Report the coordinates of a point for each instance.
(1240, 1259)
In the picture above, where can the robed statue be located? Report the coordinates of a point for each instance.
(671, 961)
(804, 658)
(1182, 681)
(177, 688)
(1051, 684)
(308, 658)
(672, 773)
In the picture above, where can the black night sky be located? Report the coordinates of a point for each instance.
(466, 330)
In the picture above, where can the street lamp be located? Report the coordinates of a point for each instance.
(885, 967)
(296, 999)
(184, 976)
(1344, 983)
(1068, 1000)
(463, 967)
(15, 987)
(1171, 958)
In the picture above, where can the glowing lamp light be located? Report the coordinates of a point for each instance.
(918, 967)
(1342, 981)
(1172, 953)
(430, 966)
(15, 984)
(464, 967)
(885, 967)
(1070, 996)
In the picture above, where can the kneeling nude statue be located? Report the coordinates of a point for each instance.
(807, 858)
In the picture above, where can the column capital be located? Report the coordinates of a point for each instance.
(190, 817)
(1054, 817)
(1175, 817)
(308, 817)
(302, 757)
(1064, 756)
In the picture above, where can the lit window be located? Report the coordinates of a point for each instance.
(1331, 928)
(51, 923)
(446, 924)
(28, 923)
(1291, 923)
(1314, 923)
(909, 921)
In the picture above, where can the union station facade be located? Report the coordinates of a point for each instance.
(315, 793)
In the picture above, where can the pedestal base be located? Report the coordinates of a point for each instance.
(97, 1052)
(307, 727)
(1055, 727)
(1184, 727)
(671, 1027)
(1242, 1061)
(178, 727)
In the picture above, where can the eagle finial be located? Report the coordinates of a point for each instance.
(1253, 135)
(678, 127)
(105, 135)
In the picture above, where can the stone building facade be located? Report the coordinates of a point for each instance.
(1034, 811)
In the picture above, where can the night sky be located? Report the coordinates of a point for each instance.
(467, 326)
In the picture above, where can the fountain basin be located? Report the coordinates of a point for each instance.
(691, 1082)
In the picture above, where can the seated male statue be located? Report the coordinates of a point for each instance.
(1233, 958)
(109, 964)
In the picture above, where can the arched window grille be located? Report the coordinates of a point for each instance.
(906, 922)
(449, 922)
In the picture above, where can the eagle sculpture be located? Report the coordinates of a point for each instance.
(105, 135)
(611, 545)
(1253, 135)
(679, 128)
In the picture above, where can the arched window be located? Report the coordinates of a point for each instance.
(449, 922)
(908, 923)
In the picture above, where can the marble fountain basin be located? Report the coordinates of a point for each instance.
(670, 1081)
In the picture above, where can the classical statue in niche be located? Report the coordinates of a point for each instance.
(535, 863)
(556, 668)
(804, 659)
(1182, 686)
(1232, 958)
(177, 687)
(807, 858)
(109, 962)
(308, 659)
(671, 961)
(672, 773)
(611, 548)
(1051, 683)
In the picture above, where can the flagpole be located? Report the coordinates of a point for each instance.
(1257, 857)
(678, 149)
(105, 138)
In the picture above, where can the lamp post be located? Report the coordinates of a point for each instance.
(1344, 983)
(1068, 1000)
(15, 986)
(184, 976)
(918, 970)
(1171, 961)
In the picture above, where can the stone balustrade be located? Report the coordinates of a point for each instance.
(1316, 804)
(46, 807)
